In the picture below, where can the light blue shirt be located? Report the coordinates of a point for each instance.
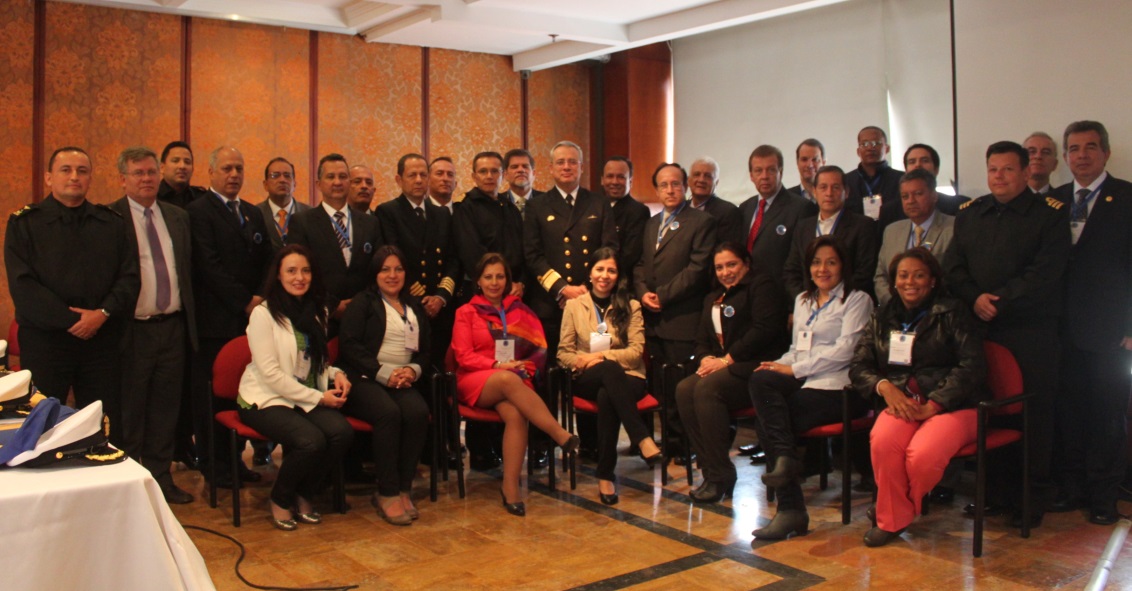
(836, 332)
(927, 225)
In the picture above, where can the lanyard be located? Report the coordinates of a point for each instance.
(818, 311)
(404, 315)
(503, 318)
(910, 325)
(344, 232)
(665, 221)
(1081, 210)
(287, 220)
(870, 188)
(836, 221)
(602, 328)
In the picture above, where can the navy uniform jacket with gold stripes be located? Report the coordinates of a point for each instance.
(558, 240)
(431, 268)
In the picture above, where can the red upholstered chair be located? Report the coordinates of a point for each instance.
(226, 372)
(13, 344)
(843, 430)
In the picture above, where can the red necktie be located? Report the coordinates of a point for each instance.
(755, 226)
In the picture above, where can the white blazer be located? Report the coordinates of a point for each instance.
(269, 379)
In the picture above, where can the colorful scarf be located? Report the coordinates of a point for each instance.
(523, 326)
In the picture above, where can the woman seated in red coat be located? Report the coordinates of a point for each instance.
(498, 346)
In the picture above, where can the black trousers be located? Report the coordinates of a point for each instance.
(1091, 424)
(784, 409)
(153, 369)
(670, 351)
(313, 442)
(616, 394)
(400, 429)
(60, 362)
(705, 406)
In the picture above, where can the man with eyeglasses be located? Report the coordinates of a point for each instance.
(177, 173)
(280, 206)
(162, 324)
(361, 189)
(873, 183)
(341, 241)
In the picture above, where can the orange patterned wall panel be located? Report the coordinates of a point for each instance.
(474, 106)
(112, 80)
(559, 109)
(251, 90)
(369, 105)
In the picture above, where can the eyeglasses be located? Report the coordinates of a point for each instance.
(564, 162)
(678, 186)
(870, 144)
(275, 175)
(141, 174)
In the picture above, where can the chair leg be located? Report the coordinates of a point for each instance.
(663, 446)
(846, 477)
(823, 479)
(339, 489)
(234, 459)
(211, 460)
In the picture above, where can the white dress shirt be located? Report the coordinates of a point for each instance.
(836, 332)
(147, 297)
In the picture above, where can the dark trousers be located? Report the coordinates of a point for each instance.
(616, 394)
(153, 369)
(785, 408)
(400, 429)
(313, 442)
(705, 406)
(1091, 424)
(60, 362)
(670, 351)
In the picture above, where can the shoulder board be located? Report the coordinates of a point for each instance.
(107, 209)
(966, 204)
(1054, 203)
(21, 211)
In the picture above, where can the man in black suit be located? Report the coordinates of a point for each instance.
(519, 172)
(162, 324)
(341, 241)
(856, 233)
(176, 173)
(629, 215)
(442, 183)
(873, 183)
(810, 156)
(360, 196)
(1096, 330)
(673, 277)
(280, 206)
(231, 254)
(1043, 161)
(486, 222)
(703, 179)
(770, 217)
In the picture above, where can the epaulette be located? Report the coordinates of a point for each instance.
(107, 209)
(1054, 203)
(966, 204)
(21, 211)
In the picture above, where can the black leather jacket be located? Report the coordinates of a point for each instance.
(947, 356)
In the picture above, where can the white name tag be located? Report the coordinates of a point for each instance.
(303, 366)
(600, 343)
(872, 206)
(412, 337)
(805, 340)
(1076, 228)
(504, 350)
(900, 348)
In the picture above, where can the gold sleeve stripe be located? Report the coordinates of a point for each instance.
(548, 279)
(447, 284)
(416, 289)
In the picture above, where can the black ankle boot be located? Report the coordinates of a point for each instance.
(786, 471)
(785, 524)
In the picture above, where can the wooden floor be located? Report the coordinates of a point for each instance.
(654, 539)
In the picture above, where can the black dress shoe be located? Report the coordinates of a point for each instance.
(713, 492)
(189, 460)
(249, 475)
(488, 461)
(608, 499)
(784, 524)
(1104, 515)
(750, 449)
(539, 458)
(1035, 518)
(518, 509)
(1065, 503)
(175, 496)
(866, 485)
(871, 513)
(943, 495)
(991, 510)
(758, 458)
(877, 537)
(678, 459)
(786, 470)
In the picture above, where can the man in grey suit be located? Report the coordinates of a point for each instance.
(926, 226)
(163, 324)
(280, 205)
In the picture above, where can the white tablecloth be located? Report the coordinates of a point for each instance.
(97, 527)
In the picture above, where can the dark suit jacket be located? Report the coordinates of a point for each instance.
(557, 242)
(799, 191)
(431, 268)
(754, 333)
(484, 224)
(363, 332)
(772, 245)
(677, 271)
(314, 229)
(177, 221)
(273, 225)
(727, 219)
(888, 185)
(858, 236)
(1098, 303)
(229, 264)
(629, 218)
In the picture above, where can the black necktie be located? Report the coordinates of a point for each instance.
(570, 200)
(419, 211)
(235, 209)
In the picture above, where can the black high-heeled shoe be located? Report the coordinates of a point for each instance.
(572, 444)
(518, 509)
(784, 524)
(876, 537)
(786, 470)
(608, 499)
(653, 460)
(713, 492)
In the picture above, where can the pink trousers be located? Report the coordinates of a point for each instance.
(909, 459)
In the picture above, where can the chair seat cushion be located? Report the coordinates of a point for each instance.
(646, 404)
(995, 438)
(834, 429)
(359, 425)
(483, 415)
(744, 413)
(231, 420)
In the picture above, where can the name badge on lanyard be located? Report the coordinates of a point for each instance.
(900, 348)
(601, 340)
(412, 336)
(504, 347)
(805, 340)
(872, 206)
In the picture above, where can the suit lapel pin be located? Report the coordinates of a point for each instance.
(367, 248)
(675, 226)
(780, 230)
(257, 238)
(550, 218)
(1108, 199)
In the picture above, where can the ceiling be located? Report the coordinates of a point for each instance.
(538, 34)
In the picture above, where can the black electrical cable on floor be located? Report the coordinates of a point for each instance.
(243, 553)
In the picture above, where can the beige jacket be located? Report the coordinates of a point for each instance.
(579, 321)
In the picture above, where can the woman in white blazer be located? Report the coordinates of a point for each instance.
(289, 392)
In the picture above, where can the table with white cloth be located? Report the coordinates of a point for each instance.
(92, 527)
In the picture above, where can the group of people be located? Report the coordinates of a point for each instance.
(771, 304)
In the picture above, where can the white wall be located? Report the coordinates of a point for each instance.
(1026, 65)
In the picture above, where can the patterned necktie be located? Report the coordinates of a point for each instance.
(160, 268)
(235, 209)
(1080, 209)
(755, 226)
(919, 236)
(343, 233)
(282, 215)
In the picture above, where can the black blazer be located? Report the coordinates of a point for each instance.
(314, 229)
(557, 242)
(677, 271)
(888, 186)
(756, 332)
(363, 331)
(772, 245)
(431, 268)
(629, 218)
(1098, 286)
(728, 220)
(483, 224)
(858, 236)
(229, 264)
(177, 221)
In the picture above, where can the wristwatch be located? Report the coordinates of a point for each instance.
(104, 312)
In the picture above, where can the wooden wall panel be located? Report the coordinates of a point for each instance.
(369, 105)
(251, 90)
(111, 81)
(474, 102)
(559, 110)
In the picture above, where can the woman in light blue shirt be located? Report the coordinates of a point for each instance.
(803, 389)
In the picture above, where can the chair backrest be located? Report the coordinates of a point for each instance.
(229, 367)
(450, 360)
(1004, 377)
(13, 338)
(332, 350)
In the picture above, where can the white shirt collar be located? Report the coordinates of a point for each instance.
(1092, 186)
(330, 211)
